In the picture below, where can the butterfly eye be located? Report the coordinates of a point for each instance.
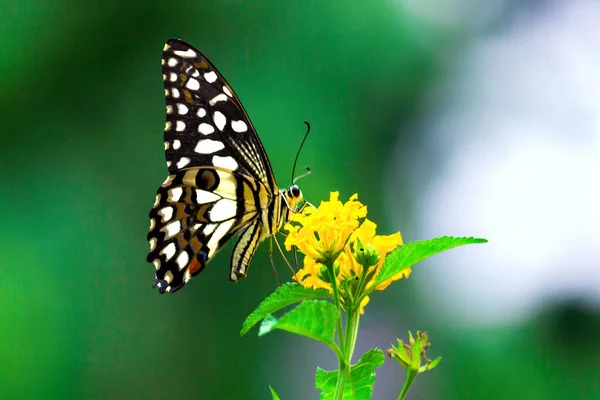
(295, 191)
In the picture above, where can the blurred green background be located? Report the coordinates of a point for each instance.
(82, 109)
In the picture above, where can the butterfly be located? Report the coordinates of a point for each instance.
(220, 180)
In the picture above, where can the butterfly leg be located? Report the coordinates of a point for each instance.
(283, 254)
(271, 257)
(296, 259)
(306, 204)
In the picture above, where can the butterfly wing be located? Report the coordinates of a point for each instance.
(220, 176)
(195, 213)
(206, 122)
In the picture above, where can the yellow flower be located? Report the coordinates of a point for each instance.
(332, 234)
(308, 275)
(384, 245)
(350, 268)
(322, 233)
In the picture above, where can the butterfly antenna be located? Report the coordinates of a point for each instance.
(307, 173)
(299, 149)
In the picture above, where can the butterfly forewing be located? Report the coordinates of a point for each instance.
(206, 122)
(220, 178)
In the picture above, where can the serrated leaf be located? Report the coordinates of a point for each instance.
(285, 295)
(315, 319)
(274, 394)
(411, 253)
(360, 383)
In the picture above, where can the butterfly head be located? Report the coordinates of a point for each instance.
(293, 196)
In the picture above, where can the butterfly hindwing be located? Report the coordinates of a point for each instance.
(195, 213)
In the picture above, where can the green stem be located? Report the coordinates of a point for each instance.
(344, 366)
(410, 378)
(351, 334)
(352, 320)
(336, 300)
(342, 377)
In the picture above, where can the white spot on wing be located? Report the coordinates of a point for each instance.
(227, 91)
(182, 259)
(156, 200)
(179, 126)
(239, 126)
(169, 109)
(152, 242)
(175, 93)
(221, 231)
(168, 277)
(166, 145)
(205, 129)
(167, 126)
(168, 180)
(223, 209)
(166, 213)
(156, 264)
(219, 120)
(169, 251)
(176, 144)
(210, 77)
(172, 76)
(210, 228)
(175, 194)
(227, 185)
(203, 196)
(208, 146)
(183, 162)
(193, 84)
(201, 113)
(152, 224)
(217, 98)
(227, 162)
(172, 229)
(189, 53)
(182, 109)
(172, 62)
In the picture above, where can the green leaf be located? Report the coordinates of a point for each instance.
(286, 294)
(315, 319)
(274, 394)
(360, 383)
(411, 253)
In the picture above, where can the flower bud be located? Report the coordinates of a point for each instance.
(325, 275)
(367, 256)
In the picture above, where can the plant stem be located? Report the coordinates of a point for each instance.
(351, 334)
(352, 320)
(343, 371)
(410, 378)
(344, 366)
(336, 300)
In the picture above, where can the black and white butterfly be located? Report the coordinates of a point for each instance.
(220, 181)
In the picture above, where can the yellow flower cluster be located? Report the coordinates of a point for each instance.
(332, 235)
